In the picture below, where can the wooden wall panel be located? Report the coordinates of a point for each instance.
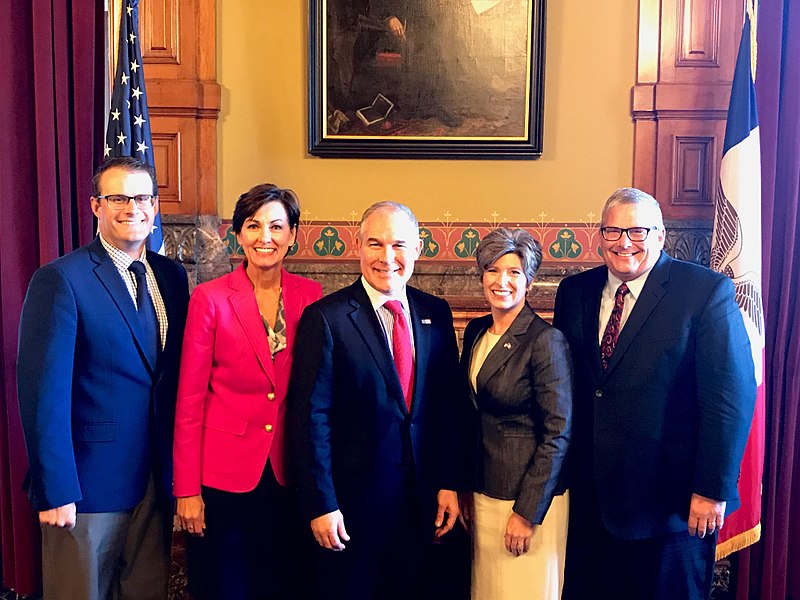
(160, 27)
(697, 39)
(687, 53)
(167, 152)
(178, 41)
(177, 156)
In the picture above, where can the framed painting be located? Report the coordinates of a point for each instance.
(421, 79)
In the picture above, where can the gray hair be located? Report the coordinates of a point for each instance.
(502, 241)
(632, 196)
(390, 207)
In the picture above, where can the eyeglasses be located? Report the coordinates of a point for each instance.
(142, 201)
(635, 234)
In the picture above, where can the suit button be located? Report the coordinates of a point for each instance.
(268, 428)
(598, 393)
(271, 396)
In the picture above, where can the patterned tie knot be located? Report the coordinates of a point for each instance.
(622, 291)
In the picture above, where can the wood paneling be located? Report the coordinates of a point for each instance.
(178, 42)
(697, 38)
(693, 169)
(687, 52)
(160, 26)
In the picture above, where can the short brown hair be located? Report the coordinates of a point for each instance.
(502, 241)
(126, 163)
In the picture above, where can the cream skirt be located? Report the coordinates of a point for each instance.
(536, 575)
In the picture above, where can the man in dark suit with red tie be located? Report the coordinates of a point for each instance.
(99, 350)
(372, 393)
(664, 397)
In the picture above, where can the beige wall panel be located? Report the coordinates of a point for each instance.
(262, 58)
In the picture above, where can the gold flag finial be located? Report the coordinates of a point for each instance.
(752, 14)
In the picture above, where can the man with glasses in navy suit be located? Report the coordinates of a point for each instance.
(664, 397)
(99, 349)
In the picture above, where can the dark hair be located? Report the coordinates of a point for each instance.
(502, 241)
(126, 163)
(251, 202)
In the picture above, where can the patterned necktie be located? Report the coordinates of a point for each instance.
(147, 312)
(401, 349)
(611, 334)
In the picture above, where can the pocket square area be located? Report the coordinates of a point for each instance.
(426, 321)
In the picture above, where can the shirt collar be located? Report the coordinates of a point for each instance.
(120, 257)
(634, 285)
(378, 299)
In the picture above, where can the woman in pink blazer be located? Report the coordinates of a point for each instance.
(230, 471)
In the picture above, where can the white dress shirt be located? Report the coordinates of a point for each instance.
(385, 316)
(607, 300)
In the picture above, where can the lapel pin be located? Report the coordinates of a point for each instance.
(507, 346)
(426, 321)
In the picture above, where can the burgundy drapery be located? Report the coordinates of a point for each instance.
(770, 570)
(51, 132)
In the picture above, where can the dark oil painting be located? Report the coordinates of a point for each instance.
(426, 78)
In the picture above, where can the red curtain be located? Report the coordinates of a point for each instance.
(770, 570)
(51, 131)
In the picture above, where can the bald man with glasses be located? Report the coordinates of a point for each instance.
(664, 397)
(99, 349)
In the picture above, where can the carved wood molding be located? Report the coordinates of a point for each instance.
(687, 52)
(178, 41)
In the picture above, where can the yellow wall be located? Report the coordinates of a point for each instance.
(262, 54)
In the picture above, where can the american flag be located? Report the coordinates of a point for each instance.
(128, 132)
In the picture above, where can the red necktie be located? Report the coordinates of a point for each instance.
(611, 334)
(401, 349)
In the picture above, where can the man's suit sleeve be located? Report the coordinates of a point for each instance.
(726, 392)
(308, 413)
(47, 335)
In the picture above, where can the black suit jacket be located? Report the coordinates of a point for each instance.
(355, 447)
(671, 414)
(524, 412)
(94, 409)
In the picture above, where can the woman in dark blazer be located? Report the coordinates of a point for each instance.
(519, 377)
(229, 459)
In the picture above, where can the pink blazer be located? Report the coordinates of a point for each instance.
(231, 394)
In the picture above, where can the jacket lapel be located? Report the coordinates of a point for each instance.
(421, 328)
(292, 303)
(110, 278)
(471, 337)
(506, 347)
(164, 289)
(244, 305)
(651, 295)
(590, 318)
(366, 323)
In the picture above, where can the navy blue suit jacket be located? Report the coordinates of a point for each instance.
(86, 389)
(671, 414)
(354, 444)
